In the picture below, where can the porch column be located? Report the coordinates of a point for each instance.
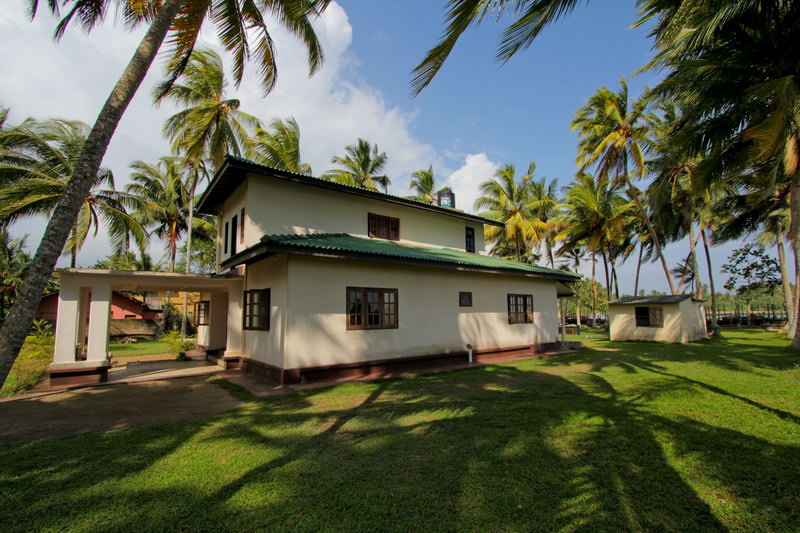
(218, 320)
(83, 320)
(235, 324)
(99, 319)
(67, 322)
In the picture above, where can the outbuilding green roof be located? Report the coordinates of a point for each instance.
(346, 244)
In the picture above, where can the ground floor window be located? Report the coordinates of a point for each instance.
(649, 317)
(520, 308)
(256, 309)
(201, 312)
(369, 308)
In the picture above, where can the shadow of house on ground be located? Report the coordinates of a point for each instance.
(514, 447)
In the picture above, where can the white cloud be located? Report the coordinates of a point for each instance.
(465, 181)
(71, 79)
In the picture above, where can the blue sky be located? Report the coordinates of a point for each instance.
(516, 112)
(475, 115)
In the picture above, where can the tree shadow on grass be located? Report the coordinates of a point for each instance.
(489, 448)
(733, 352)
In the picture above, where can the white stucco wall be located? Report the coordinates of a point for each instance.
(275, 206)
(683, 322)
(622, 324)
(269, 346)
(694, 320)
(430, 319)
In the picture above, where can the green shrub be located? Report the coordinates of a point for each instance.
(34, 358)
(178, 346)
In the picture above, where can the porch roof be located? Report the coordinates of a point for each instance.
(347, 246)
(138, 280)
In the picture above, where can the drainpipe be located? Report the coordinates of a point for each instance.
(469, 353)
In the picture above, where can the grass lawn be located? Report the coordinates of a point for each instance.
(138, 348)
(616, 437)
(29, 367)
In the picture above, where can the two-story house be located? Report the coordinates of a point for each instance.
(318, 280)
(339, 280)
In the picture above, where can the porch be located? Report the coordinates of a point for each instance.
(81, 354)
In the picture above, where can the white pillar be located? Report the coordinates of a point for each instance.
(99, 318)
(218, 320)
(67, 321)
(233, 344)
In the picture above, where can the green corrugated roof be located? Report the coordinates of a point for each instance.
(344, 242)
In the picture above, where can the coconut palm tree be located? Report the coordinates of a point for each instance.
(544, 206)
(159, 199)
(37, 160)
(740, 48)
(239, 25)
(14, 260)
(423, 185)
(210, 124)
(129, 261)
(209, 127)
(508, 199)
(595, 216)
(279, 147)
(361, 167)
(614, 134)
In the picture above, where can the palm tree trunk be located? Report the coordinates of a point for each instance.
(794, 211)
(605, 270)
(192, 185)
(787, 286)
(594, 291)
(638, 269)
(19, 321)
(614, 277)
(698, 284)
(73, 261)
(714, 326)
(578, 313)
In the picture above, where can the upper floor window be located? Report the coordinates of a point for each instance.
(241, 227)
(234, 233)
(256, 309)
(225, 237)
(470, 240)
(520, 308)
(649, 317)
(383, 227)
(371, 308)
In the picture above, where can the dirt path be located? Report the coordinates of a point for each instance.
(39, 415)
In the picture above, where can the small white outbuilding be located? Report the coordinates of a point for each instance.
(678, 318)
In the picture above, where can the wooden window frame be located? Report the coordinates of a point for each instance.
(202, 310)
(374, 227)
(364, 311)
(465, 299)
(241, 227)
(225, 238)
(520, 308)
(469, 239)
(252, 310)
(654, 319)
